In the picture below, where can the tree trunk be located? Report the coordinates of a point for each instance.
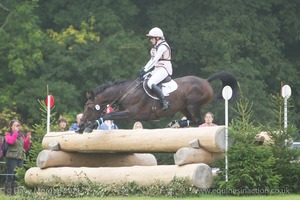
(139, 141)
(47, 158)
(199, 175)
(187, 155)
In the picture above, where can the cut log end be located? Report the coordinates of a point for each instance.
(203, 177)
(54, 146)
(219, 139)
(42, 159)
(194, 144)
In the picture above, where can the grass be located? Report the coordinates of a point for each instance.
(203, 197)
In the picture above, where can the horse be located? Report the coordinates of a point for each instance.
(132, 103)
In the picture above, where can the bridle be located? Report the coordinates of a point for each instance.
(94, 109)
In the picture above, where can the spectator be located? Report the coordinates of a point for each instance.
(137, 125)
(208, 118)
(62, 124)
(75, 126)
(108, 124)
(18, 144)
(1, 143)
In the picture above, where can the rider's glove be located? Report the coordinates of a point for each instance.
(142, 73)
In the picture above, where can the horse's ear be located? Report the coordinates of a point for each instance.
(90, 94)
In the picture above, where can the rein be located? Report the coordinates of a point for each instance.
(125, 92)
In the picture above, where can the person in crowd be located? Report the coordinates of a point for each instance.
(62, 124)
(18, 144)
(208, 118)
(137, 125)
(1, 143)
(28, 137)
(159, 64)
(75, 126)
(108, 124)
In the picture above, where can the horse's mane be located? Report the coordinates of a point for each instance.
(110, 84)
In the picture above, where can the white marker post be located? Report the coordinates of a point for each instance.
(286, 92)
(227, 94)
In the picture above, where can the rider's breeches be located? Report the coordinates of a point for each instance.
(158, 74)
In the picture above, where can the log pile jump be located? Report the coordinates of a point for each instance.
(122, 156)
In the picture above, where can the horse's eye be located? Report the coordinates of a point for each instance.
(97, 107)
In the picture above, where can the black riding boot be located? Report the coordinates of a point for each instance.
(158, 92)
(7, 189)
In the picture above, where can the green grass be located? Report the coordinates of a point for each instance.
(203, 197)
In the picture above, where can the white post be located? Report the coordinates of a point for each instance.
(226, 93)
(285, 93)
(226, 138)
(48, 114)
(285, 114)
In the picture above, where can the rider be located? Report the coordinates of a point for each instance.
(160, 63)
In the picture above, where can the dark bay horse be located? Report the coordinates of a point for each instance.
(131, 102)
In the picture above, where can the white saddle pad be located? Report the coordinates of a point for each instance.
(169, 87)
(166, 88)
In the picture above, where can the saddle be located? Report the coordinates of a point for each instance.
(167, 86)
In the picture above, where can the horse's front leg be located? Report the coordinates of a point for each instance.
(109, 116)
(116, 115)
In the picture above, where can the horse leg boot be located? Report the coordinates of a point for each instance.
(158, 92)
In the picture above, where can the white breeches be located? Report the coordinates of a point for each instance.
(158, 74)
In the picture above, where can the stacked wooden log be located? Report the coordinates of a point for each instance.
(120, 156)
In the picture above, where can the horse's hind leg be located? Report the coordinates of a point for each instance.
(192, 114)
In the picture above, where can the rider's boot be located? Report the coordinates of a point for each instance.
(158, 92)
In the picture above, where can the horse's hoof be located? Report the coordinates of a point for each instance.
(88, 130)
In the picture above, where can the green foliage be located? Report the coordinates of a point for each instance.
(72, 37)
(164, 158)
(287, 160)
(250, 167)
(257, 41)
(24, 38)
(178, 187)
(6, 115)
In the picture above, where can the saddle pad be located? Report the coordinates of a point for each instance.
(166, 88)
(169, 87)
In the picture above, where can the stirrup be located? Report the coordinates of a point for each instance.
(166, 104)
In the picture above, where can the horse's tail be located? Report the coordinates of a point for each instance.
(227, 79)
